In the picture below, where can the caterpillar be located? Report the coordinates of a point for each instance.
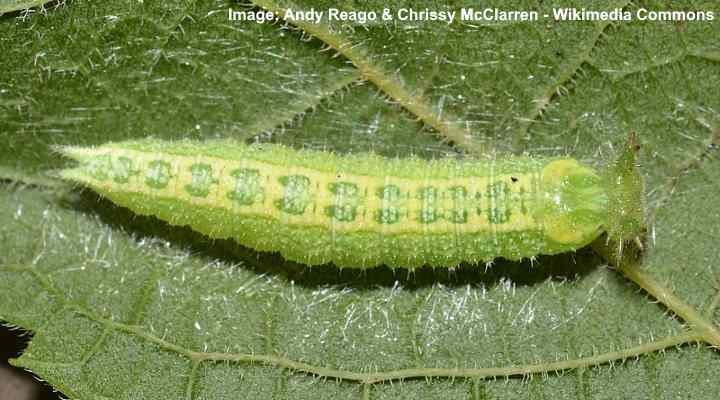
(363, 210)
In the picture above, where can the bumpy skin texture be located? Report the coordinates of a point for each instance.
(354, 211)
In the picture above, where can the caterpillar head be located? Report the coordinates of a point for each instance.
(574, 203)
(625, 188)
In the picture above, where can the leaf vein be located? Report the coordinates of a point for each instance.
(568, 71)
(389, 84)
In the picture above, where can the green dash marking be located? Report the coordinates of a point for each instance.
(158, 175)
(99, 167)
(248, 189)
(499, 194)
(459, 213)
(389, 212)
(297, 194)
(347, 199)
(122, 169)
(429, 211)
(201, 180)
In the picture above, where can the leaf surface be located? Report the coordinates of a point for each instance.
(128, 307)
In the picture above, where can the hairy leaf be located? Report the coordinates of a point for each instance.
(128, 307)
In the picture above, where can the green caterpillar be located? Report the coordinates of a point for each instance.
(364, 210)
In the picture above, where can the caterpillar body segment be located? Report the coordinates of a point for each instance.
(358, 211)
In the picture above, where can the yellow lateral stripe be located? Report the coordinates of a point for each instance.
(365, 220)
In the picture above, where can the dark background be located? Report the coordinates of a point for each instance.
(15, 383)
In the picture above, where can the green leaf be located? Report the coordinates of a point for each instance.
(7, 6)
(127, 307)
